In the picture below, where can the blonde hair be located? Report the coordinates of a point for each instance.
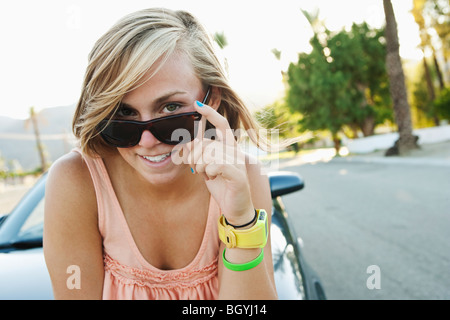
(122, 56)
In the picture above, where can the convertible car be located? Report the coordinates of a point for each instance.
(24, 275)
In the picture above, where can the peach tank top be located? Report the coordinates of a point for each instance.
(127, 274)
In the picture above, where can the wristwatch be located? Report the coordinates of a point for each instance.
(254, 237)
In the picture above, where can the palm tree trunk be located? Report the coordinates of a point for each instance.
(39, 146)
(397, 86)
(430, 87)
(337, 143)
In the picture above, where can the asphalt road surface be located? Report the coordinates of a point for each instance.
(375, 230)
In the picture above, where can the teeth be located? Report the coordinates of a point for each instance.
(157, 158)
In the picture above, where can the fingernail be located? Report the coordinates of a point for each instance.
(199, 103)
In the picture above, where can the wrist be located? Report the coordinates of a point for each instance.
(251, 236)
(246, 225)
(243, 221)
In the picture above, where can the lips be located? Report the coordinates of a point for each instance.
(158, 158)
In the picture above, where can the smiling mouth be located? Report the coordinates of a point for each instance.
(158, 158)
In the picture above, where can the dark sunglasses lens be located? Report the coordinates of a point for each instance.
(173, 130)
(121, 134)
(181, 129)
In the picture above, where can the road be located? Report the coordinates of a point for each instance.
(393, 215)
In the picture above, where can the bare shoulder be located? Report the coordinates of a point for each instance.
(71, 234)
(70, 165)
(69, 183)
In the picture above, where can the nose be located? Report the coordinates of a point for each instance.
(148, 140)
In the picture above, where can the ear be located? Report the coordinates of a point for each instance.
(216, 98)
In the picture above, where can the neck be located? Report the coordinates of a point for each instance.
(183, 187)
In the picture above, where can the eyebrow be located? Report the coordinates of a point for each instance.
(157, 101)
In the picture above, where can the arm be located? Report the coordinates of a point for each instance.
(238, 188)
(71, 235)
(257, 283)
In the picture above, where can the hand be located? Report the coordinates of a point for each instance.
(222, 164)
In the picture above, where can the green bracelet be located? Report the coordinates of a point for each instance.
(243, 266)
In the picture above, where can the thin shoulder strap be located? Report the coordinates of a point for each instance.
(102, 185)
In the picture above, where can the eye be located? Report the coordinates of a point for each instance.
(171, 107)
(125, 111)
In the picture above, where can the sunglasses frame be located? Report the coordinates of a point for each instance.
(149, 125)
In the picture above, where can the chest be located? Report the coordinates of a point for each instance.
(167, 236)
(167, 223)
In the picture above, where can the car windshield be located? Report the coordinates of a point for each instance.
(23, 227)
(33, 226)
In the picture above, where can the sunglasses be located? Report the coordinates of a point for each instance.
(128, 133)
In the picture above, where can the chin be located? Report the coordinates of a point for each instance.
(165, 175)
(161, 171)
(162, 178)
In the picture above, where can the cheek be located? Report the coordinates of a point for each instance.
(128, 155)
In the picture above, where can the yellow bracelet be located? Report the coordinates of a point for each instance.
(254, 237)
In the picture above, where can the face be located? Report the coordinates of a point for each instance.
(172, 90)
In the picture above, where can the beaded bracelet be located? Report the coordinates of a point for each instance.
(243, 266)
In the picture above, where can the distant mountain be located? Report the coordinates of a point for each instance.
(9, 124)
(18, 142)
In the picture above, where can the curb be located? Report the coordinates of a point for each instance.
(395, 160)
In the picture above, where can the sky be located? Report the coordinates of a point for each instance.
(45, 43)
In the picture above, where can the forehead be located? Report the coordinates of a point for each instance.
(175, 74)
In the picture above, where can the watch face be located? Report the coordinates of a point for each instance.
(262, 215)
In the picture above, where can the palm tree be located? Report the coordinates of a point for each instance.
(34, 121)
(220, 39)
(276, 53)
(402, 112)
(317, 24)
(222, 42)
(418, 13)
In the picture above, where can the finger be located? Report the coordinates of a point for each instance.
(194, 145)
(196, 152)
(217, 160)
(201, 126)
(203, 152)
(187, 154)
(213, 151)
(213, 170)
(179, 154)
(224, 131)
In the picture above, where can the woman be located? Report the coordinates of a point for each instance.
(138, 214)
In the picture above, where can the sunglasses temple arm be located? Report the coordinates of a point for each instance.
(206, 98)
